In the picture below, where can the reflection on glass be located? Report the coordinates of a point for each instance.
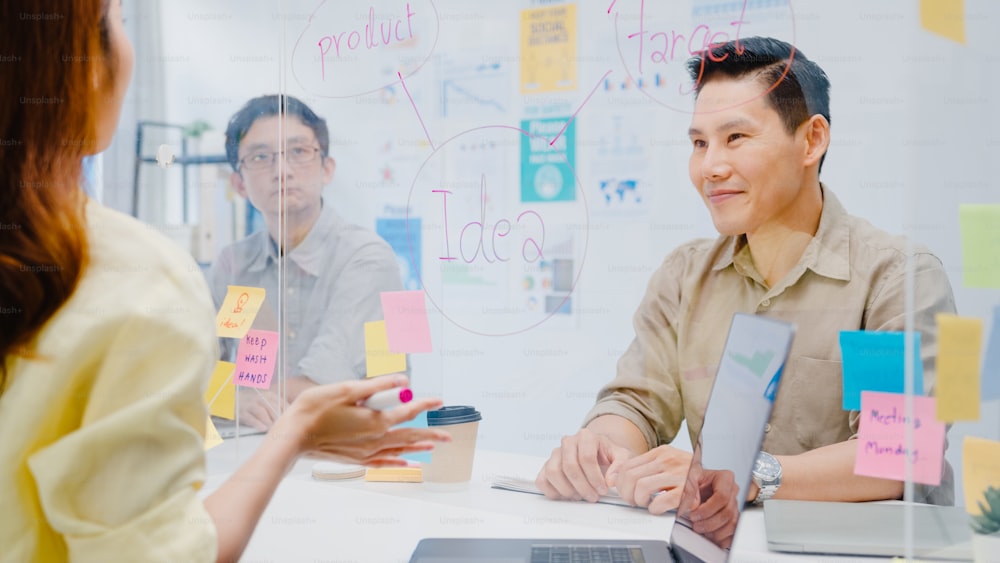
(710, 504)
(738, 409)
(323, 276)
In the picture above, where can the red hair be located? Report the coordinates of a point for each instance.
(61, 72)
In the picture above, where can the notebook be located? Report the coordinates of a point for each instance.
(519, 485)
(872, 528)
(738, 409)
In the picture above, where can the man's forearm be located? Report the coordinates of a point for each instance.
(621, 431)
(296, 385)
(827, 473)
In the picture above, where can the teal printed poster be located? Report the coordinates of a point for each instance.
(546, 166)
(405, 244)
(419, 422)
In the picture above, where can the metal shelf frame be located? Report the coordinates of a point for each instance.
(184, 160)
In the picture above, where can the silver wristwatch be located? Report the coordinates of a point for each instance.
(767, 476)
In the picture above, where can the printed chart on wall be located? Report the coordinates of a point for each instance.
(548, 49)
(476, 86)
(620, 179)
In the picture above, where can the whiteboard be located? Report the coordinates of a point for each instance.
(478, 140)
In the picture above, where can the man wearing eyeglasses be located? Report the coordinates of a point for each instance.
(332, 271)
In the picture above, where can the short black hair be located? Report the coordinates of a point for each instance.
(796, 91)
(267, 106)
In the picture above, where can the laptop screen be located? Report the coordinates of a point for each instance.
(738, 409)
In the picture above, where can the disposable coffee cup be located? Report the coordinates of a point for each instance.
(450, 468)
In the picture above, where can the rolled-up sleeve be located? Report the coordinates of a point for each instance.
(122, 486)
(932, 294)
(646, 387)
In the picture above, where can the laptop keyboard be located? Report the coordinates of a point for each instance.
(586, 554)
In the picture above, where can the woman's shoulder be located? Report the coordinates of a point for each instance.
(137, 287)
(133, 265)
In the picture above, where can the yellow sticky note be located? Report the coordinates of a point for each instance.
(980, 469)
(212, 437)
(378, 359)
(221, 393)
(238, 310)
(944, 17)
(410, 474)
(960, 340)
(980, 227)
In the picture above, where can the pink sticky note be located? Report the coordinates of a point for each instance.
(256, 358)
(406, 322)
(883, 447)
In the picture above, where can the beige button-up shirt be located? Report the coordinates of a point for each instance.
(850, 277)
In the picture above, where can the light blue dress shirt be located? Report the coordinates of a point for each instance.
(331, 284)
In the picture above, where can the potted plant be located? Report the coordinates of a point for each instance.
(986, 525)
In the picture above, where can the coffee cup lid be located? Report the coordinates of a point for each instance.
(453, 415)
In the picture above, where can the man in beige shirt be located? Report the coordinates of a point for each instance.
(787, 249)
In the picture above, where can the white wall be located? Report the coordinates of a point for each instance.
(914, 131)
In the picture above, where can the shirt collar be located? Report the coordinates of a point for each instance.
(308, 255)
(828, 253)
(262, 253)
(730, 245)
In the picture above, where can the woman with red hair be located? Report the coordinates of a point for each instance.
(107, 336)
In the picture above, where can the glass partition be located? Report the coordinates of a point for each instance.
(526, 167)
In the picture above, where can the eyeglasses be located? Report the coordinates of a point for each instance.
(262, 160)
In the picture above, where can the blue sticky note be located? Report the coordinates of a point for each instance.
(990, 375)
(420, 421)
(873, 361)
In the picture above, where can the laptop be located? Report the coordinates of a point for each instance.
(876, 528)
(738, 409)
(229, 429)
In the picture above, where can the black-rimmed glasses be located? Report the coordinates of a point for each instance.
(261, 160)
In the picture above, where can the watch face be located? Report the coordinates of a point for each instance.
(766, 467)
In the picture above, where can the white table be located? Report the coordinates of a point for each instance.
(367, 522)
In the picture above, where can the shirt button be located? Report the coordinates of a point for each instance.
(767, 427)
(291, 334)
(291, 291)
(765, 303)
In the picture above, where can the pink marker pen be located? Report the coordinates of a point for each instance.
(384, 400)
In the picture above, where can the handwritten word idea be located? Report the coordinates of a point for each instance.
(238, 310)
(368, 38)
(256, 358)
(531, 249)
